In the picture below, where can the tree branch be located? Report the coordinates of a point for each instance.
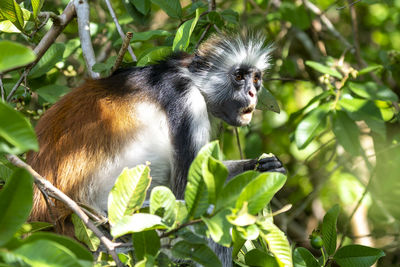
(2, 88)
(82, 12)
(122, 51)
(54, 192)
(46, 42)
(119, 29)
(328, 24)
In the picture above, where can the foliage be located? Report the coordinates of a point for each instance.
(336, 78)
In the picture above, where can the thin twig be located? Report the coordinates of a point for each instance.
(46, 42)
(203, 35)
(82, 13)
(346, 226)
(119, 29)
(328, 24)
(122, 51)
(44, 22)
(349, 5)
(2, 88)
(54, 192)
(356, 43)
(180, 227)
(238, 142)
(211, 5)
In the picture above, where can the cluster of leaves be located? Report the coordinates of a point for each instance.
(326, 241)
(226, 213)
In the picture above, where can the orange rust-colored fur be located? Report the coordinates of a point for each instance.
(75, 136)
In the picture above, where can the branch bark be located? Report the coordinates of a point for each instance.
(121, 53)
(46, 42)
(119, 29)
(54, 192)
(82, 13)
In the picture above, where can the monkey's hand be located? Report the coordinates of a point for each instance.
(269, 163)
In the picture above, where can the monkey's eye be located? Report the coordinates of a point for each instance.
(238, 77)
(256, 79)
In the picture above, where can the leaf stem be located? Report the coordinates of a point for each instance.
(168, 233)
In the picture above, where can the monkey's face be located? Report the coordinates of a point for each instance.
(238, 98)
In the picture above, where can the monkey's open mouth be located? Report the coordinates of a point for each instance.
(247, 110)
(246, 114)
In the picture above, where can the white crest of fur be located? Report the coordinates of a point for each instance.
(238, 50)
(222, 53)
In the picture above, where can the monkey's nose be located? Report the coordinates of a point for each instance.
(252, 92)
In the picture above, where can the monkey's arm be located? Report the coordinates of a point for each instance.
(268, 164)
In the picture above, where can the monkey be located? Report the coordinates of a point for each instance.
(161, 113)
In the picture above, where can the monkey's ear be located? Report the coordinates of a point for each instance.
(266, 101)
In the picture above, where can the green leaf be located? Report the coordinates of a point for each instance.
(128, 192)
(324, 69)
(311, 125)
(16, 130)
(191, 237)
(214, 175)
(53, 55)
(357, 256)
(369, 69)
(182, 37)
(266, 101)
(373, 91)
(149, 35)
(215, 18)
(230, 16)
(297, 15)
(146, 242)
(14, 55)
(15, 203)
(143, 6)
(277, 243)
(199, 253)
(163, 201)
(346, 132)
(181, 212)
(242, 218)
(230, 193)
(76, 248)
(219, 227)
(47, 253)
(329, 229)
(13, 12)
(71, 46)
(52, 93)
(323, 95)
(36, 6)
(171, 7)
(259, 192)
(303, 258)
(148, 261)
(196, 196)
(153, 55)
(238, 242)
(84, 234)
(136, 223)
(361, 109)
(257, 257)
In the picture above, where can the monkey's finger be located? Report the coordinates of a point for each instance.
(269, 165)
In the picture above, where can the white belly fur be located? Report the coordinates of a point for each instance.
(151, 143)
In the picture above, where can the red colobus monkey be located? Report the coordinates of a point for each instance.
(161, 113)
